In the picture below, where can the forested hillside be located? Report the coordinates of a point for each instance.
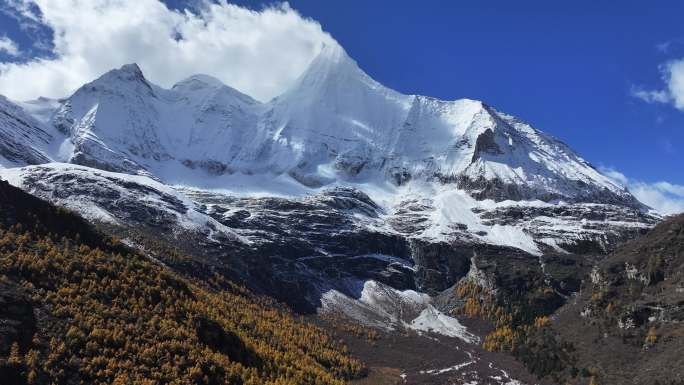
(78, 307)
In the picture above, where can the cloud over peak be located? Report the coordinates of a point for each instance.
(257, 52)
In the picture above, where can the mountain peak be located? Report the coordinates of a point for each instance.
(131, 68)
(199, 87)
(199, 81)
(333, 77)
(126, 74)
(331, 68)
(334, 52)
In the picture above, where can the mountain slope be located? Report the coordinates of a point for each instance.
(627, 320)
(79, 307)
(23, 140)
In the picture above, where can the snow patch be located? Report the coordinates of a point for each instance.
(383, 307)
(447, 370)
(433, 321)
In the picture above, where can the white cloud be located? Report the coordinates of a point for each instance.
(676, 82)
(673, 77)
(257, 52)
(665, 197)
(8, 46)
(615, 175)
(650, 96)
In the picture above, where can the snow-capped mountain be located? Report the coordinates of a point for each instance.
(338, 121)
(340, 196)
(335, 124)
(121, 122)
(400, 189)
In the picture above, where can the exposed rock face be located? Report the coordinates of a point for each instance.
(584, 227)
(485, 144)
(439, 265)
(113, 198)
(298, 248)
(315, 243)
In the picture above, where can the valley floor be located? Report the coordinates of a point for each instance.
(397, 358)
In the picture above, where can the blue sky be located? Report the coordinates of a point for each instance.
(572, 69)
